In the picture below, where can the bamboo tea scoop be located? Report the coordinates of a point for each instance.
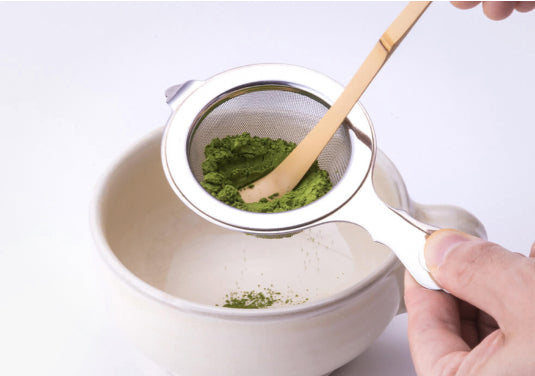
(287, 175)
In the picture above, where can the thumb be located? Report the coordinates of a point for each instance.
(479, 272)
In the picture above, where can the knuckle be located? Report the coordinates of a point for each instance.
(524, 275)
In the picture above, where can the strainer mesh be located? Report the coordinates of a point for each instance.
(274, 112)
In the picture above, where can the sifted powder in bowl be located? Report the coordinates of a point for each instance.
(264, 298)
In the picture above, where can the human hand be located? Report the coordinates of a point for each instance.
(487, 325)
(497, 10)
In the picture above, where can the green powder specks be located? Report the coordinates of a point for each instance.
(235, 162)
(264, 298)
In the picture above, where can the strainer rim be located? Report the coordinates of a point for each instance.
(176, 163)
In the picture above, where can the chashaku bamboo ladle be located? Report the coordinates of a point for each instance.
(287, 175)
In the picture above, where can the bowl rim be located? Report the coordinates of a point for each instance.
(118, 269)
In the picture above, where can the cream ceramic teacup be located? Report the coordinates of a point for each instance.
(168, 272)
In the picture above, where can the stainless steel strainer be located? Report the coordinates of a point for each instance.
(284, 101)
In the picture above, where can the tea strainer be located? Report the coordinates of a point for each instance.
(285, 101)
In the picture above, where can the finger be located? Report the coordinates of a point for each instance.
(434, 328)
(479, 272)
(465, 4)
(498, 10)
(525, 6)
(484, 359)
(532, 253)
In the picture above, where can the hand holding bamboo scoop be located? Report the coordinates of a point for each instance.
(289, 173)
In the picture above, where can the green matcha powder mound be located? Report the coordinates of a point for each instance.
(234, 162)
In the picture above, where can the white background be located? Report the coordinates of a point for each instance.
(80, 83)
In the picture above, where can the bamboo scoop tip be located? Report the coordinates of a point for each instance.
(267, 187)
(252, 193)
(287, 175)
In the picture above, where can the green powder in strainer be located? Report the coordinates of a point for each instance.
(234, 162)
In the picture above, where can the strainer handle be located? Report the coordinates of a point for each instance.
(175, 95)
(404, 235)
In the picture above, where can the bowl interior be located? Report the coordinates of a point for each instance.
(168, 246)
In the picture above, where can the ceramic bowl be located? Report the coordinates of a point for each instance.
(168, 273)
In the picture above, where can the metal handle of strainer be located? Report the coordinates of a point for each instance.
(403, 234)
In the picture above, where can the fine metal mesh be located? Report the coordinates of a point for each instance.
(268, 112)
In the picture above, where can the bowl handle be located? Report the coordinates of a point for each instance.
(448, 216)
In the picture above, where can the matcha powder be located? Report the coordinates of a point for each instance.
(265, 298)
(234, 162)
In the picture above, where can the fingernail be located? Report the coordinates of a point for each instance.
(440, 243)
